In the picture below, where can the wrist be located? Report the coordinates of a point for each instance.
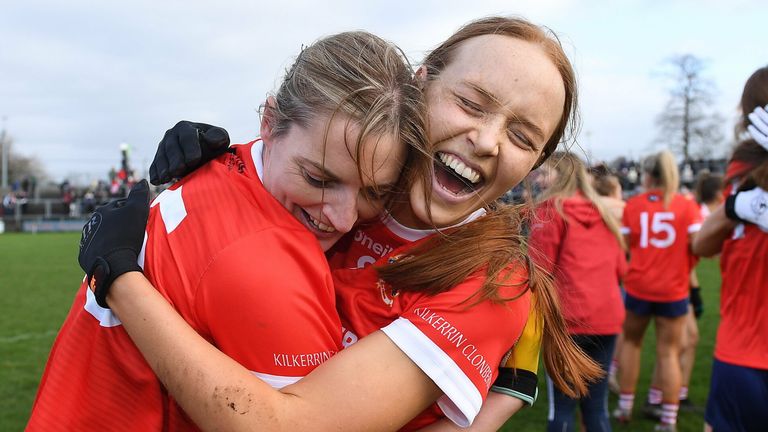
(122, 286)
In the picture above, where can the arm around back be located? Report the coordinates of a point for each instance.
(369, 386)
(714, 231)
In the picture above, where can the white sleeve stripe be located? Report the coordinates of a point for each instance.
(276, 381)
(105, 316)
(625, 230)
(143, 251)
(461, 400)
(694, 228)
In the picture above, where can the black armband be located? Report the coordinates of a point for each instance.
(730, 209)
(518, 383)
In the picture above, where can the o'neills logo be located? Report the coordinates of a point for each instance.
(302, 360)
(375, 247)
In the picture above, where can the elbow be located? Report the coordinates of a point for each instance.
(703, 248)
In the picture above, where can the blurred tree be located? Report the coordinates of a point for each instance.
(688, 124)
(21, 167)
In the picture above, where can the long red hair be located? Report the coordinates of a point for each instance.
(496, 242)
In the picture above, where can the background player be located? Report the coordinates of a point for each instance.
(659, 225)
(738, 230)
(708, 193)
(578, 240)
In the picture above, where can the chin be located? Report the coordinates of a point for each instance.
(326, 244)
(448, 218)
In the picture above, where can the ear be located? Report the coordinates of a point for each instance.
(267, 120)
(421, 76)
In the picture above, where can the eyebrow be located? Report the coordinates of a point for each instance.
(494, 100)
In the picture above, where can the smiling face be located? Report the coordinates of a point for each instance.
(317, 177)
(491, 110)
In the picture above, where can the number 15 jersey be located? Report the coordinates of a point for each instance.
(659, 267)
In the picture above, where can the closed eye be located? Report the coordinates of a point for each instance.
(520, 138)
(469, 106)
(314, 181)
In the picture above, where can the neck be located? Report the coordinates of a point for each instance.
(712, 206)
(402, 212)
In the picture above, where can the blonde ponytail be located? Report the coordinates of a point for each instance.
(662, 168)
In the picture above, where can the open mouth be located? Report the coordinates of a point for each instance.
(318, 225)
(455, 176)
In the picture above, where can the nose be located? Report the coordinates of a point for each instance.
(342, 212)
(486, 138)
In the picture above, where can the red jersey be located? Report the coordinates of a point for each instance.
(742, 334)
(659, 267)
(220, 248)
(459, 347)
(587, 262)
(370, 242)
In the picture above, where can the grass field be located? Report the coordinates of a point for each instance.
(39, 276)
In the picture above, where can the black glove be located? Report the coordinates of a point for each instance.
(112, 239)
(697, 302)
(184, 148)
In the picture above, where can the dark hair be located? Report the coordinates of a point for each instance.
(753, 158)
(708, 187)
(604, 180)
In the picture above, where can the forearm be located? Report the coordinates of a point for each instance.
(715, 230)
(496, 410)
(213, 389)
(345, 392)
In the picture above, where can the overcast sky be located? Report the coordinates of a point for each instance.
(78, 78)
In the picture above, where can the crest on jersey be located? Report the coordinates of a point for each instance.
(384, 291)
(388, 293)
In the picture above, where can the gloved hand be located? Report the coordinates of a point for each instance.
(749, 206)
(759, 127)
(184, 148)
(697, 302)
(112, 239)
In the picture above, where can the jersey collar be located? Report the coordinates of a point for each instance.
(412, 234)
(256, 154)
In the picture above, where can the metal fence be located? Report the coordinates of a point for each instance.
(44, 215)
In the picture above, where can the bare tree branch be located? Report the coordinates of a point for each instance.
(688, 124)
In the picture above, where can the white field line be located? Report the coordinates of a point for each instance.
(26, 336)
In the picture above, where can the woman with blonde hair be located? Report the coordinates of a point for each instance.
(578, 239)
(253, 222)
(658, 226)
